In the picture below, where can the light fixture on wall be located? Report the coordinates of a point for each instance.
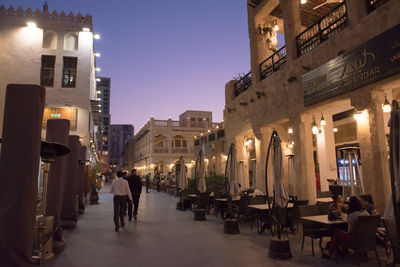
(335, 130)
(314, 127)
(98, 80)
(31, 24)
(85, 29)
(268, 29)
(322, 121)
(303, 2)
(290, 130)
(97, 69)
(96, 36)
(97, 54)
(386, 105)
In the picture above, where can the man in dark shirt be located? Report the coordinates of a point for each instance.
(135, 185)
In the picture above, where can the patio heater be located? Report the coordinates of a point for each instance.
(279, 248)
(48, 153)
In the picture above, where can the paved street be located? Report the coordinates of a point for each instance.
(163, 236)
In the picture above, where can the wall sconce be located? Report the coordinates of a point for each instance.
(386, 105)
(335, 130)
(314, 127)
(303, 2)
(290, 130)
(268, 29)
(322, 121)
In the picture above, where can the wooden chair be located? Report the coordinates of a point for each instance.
(364, 238)
(312, 230)
(323, 208)
(293, 215)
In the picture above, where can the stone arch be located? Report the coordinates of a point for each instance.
(49, 39)
(71, 41)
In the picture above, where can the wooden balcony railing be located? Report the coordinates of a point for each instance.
(243, 84)
(273, 63)
(375, 4)
(179, 150)
(325, 28)
(161, 150)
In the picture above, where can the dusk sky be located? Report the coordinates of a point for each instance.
(164, 56)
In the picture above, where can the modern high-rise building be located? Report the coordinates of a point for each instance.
(103, 96)
(54, 50)
(119, 135)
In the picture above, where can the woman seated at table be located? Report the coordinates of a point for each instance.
(338, 204)
(367, 204)
(355, 211)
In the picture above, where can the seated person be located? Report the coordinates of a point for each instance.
(338, 204)
(367, 204)
(355, 211)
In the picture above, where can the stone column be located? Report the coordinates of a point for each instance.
(305, 182)
(69, 212)
(292, 20)
(81, 181)
(58, 132)
(326, 153)
(356, 10)
(19, 168)
(372, 140)
(262, 141)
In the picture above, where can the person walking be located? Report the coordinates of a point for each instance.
(135, 185)
(121, 191)
(147, 182)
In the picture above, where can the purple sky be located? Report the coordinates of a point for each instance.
(164, 56)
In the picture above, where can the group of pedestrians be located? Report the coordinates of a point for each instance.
(126, 192)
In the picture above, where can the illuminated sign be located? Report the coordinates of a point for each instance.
(70, 114)
(372, 61)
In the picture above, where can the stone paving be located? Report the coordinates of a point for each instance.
(163, 236)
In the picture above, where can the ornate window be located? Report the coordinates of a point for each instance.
(49, 39)
(71, 41)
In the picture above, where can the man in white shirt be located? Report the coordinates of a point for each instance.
(121, 191)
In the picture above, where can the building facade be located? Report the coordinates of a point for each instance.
(103, 90)
(160, 143)
(54, 50)
(119, 135)
(322, 90)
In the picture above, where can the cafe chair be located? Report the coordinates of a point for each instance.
(364, 238)
(323, 208)
(293, 214)
(310, 229)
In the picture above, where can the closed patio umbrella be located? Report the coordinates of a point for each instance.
(201, 186)
(281, 194)
(392, 209)
(232, 169)
(182, 178)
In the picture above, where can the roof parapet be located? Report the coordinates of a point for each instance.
(45, 14)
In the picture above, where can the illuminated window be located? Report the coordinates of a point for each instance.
(47, 71)
(69, 72)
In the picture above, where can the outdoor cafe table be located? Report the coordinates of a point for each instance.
(221, 204)
(323, 219)
(262, 209)
(325, 199)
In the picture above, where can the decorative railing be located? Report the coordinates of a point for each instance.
(243, 84)
(273, 63)
(178, 123)
(325, 28)
(160, 123)
(161, 150)
(179, 150)
(197, 124)
(375, 4)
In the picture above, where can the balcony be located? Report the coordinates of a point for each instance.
(375, 4)
(325, 28)
(243, 84)
(182, 150)
(179, 124)
(197, 124)
(161, 150)
(273, 63)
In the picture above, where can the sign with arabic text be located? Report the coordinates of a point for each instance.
(372, 61)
